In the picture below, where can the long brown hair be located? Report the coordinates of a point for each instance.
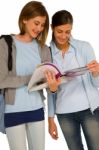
(32, 10)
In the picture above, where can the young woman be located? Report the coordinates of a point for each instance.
(24, 113)
(75, 103)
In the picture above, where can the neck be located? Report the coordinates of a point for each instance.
(24, 38)
(63, 47)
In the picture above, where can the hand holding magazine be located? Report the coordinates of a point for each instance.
(38, 80)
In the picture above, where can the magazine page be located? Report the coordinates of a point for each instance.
(38, 80)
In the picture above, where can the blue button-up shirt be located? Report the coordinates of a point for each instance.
(81, 92)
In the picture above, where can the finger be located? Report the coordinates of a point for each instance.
(48, 75)
(92, 62)
(58, 81)
(56, 133)
(92, 65)
(54, 136)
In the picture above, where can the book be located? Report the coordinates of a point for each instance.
(38, 80)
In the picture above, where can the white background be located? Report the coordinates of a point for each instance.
(86, 27)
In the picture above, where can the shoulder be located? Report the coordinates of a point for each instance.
(3, 50)
(45, 53)
(2, 40)
(79, 43)
(3, 45)
(84, 48)
(46, 47)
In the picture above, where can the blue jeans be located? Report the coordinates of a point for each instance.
(71, 127)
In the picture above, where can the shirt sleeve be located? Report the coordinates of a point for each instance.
(88, 52)
(90, 56)
(51, 97)
(7, 78)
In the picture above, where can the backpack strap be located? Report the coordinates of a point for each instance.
(9, 40)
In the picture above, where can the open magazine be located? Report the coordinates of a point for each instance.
(38, 80)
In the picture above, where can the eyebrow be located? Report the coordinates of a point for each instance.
(63, 30)
(37, 21)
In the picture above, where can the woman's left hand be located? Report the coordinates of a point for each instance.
(93, 66)
(53, 83)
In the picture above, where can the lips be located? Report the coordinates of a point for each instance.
(35, 33)
(62, 40)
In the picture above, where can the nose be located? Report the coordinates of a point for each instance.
(63, 36)
(39, 28)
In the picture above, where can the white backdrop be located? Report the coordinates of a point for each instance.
(86, 27)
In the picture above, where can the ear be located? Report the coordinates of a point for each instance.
(24, 21)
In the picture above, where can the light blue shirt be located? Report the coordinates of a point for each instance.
(80, 93)
(27, 59)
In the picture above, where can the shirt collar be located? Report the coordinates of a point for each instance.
(55, 50)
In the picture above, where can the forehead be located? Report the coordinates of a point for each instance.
(39, 18)
(64, 27)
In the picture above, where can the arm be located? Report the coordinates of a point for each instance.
(53, 84)
(11, 81)
(7, 78)
(92, 64)
(52, 128)
(51, 113)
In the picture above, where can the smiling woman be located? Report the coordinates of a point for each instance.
(75, 103)
(34, 27)
(24, 112)
(36, 22)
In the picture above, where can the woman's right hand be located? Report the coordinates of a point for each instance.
(53, 83)
(52, 128)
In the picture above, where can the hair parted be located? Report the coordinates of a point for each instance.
(31, 10)
(62, 17)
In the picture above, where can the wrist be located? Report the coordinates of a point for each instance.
(53, 92)
(53, 89)
(50, 119)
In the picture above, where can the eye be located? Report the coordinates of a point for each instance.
(36, 23)
(59, 31)
(68, 32)
(43, 25)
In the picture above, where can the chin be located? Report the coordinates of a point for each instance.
(61, 43)
(33, 35)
